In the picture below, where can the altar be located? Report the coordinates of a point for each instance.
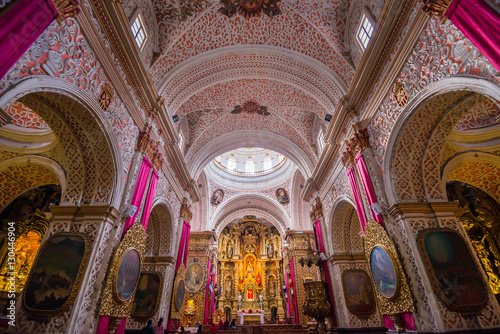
(251, 318)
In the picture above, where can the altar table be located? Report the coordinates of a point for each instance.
(247, 318)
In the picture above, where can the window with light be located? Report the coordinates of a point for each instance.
(268, 164)
(365, 31)
(231, 163)
(249, 166)
(139, 32)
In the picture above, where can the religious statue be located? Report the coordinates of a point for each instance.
(250, 248)
(261, 297)
(270, 250)
(229, 251)
(228, 286)
(190, 308)
(250, 267)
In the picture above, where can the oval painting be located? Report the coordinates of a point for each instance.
(128, 274)
(217, 197)
(384, 272)
(194, 277)
(179, 295)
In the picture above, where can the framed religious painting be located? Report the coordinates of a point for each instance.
(385, 272)
(358, 293)
(147, 296)
(282, 196)
(195, 277)
(455, 276)
(127, 274)
(56, 275)
(217, 197)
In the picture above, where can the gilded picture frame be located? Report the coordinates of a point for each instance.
(117, 271)
(381, 274)
(439, 249)
(142, 294)
(177, 302)
(52, 247)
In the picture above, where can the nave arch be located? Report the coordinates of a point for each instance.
(416, 150)
(90, 157)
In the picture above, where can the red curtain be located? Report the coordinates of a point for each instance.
(149, 200)
(140, 187)
(351, 174)
(367, 186)
(480, 23)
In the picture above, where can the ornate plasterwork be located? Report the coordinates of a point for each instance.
(212, 30)
(160, 232)
(250, 204)
(251, 62)
(442, 52)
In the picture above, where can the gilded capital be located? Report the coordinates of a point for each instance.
(436, 7)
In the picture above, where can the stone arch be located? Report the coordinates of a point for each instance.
(93, 163)
(20, 174)
(480, 170)
(417, 141)
(248, 138)
(256, 205)
(345, 229)
(160, 231)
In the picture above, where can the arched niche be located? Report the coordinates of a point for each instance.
(256, 205)
(416, 147)
(91, 156)
(346, 229)
(160, 231)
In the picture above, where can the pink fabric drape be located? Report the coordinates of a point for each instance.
(406, 319)
(121, 328)
(321, 245)
(295, 303)
(103, 325)
(140, 187)
(181, 257)
(480, 23)
(351, 174)
(20, 27)
(207, 301)
(388, 322)
(186, 247)
(214, 282)
(367, 186)
(149, 200)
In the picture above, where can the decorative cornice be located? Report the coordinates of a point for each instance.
(436, 7)
(316, 210)
(186, 211)
(66, 9)
(149, 147)
(359, 142)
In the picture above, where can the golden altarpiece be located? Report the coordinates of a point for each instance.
(250, 269)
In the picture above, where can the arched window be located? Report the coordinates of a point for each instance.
(321, 140)
(268, 164)
(249, 166)
(231, 163)
(139, 31)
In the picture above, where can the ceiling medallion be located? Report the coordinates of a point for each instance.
(251, 107)
(250, 8)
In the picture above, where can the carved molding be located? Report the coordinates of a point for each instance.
(147, 146)
(357, 144)
(186, 212)
(316, 210)
(436, 7)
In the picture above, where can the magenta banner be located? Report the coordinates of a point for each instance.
(367, 186)
(20, 27)
(480, 23)
(351, 174)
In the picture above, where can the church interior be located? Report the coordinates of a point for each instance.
(249, 166)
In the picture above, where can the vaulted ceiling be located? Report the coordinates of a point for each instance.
(291, 58)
